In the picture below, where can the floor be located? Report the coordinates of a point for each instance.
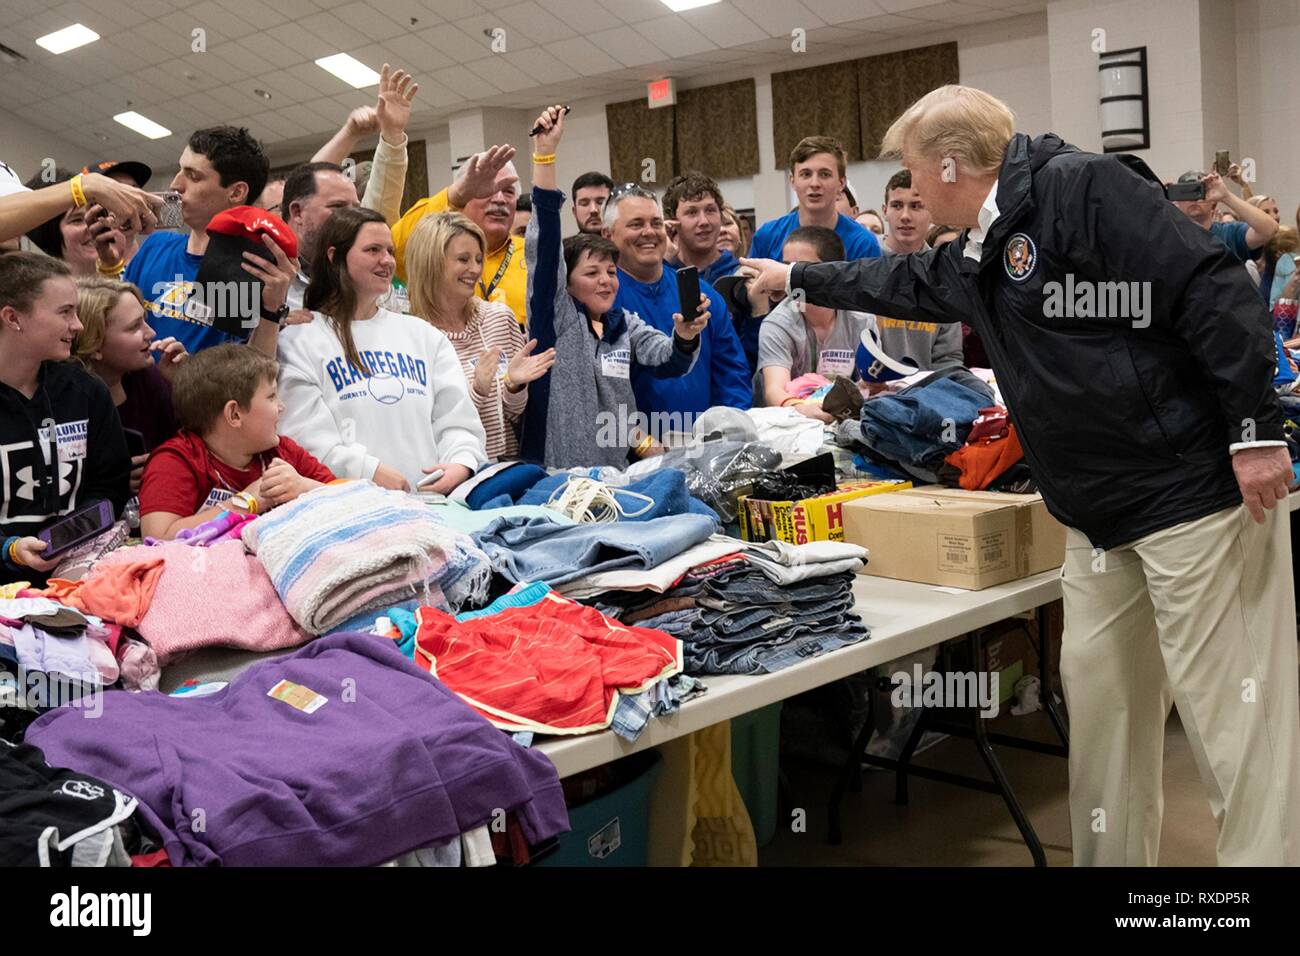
(945, 825)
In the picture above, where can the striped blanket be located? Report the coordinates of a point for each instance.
(347, 548)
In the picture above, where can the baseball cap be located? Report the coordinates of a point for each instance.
(139, 172)
(9, 182)
(1191, 176)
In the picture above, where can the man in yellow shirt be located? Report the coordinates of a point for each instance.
(485, 191)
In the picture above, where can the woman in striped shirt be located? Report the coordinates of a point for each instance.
(444, 260)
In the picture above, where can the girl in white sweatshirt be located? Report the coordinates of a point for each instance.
(372, 393)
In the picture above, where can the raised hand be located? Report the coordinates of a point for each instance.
(479, 180)
(690, 330)
(393, 108)
(552, 123)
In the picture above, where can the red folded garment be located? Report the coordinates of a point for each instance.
(982, 462)
(553, 667)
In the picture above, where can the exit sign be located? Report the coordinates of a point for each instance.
(661, 93)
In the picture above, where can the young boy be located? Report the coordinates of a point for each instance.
(228, 455)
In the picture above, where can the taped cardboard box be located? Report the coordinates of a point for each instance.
(955, 538)
(819, 518)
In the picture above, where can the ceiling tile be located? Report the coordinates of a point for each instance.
(627, 46)
(724, 26)
(369, 21)
(779, 17)
(587, 16)
(537, 24)
(483, 28)
(270, 53)
(151, 8)
(403, 10)
(411, 52)
(212, 15)
(902, 6)
(956, 13)
(456, 43)
(261, 15)
(541, 66)
(455, 9)
(839, 11)
(330, 29)
(463, 83)
(305, 44)
(286, 88)
(674, 36)
(634, 11)
(502, 74)
(583, 56)
(239, 60)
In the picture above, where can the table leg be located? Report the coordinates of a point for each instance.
(1046, 686)
(851, 770)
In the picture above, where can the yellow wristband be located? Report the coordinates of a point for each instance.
(114, 270)
(78, 194)
(546, 160)
(644, 446)
(13, 552)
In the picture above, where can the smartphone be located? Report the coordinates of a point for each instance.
(1221, 162)
(135, 444)
(169, 216)
(1185, 192)
(688, 292)
(81, 525)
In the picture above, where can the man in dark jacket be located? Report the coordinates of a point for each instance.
(1136, 363)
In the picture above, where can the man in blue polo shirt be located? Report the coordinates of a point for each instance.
(648, 286)
(818, 167)
(1245, 237)
(221, 167)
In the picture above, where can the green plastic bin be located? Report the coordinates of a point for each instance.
(612, 829)
(756, 767)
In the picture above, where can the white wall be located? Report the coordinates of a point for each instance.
(1268, 43)
(24, 147)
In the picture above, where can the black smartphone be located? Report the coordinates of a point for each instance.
(135, 444)
(1185, 192)
(688, 292)
(79, 526)
(1222, 160)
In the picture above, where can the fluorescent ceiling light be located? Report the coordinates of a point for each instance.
(69, 38)
(349, 69)
(142, 125)
(677, 6)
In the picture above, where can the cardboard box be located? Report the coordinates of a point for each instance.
(813, 519)
(955, 538)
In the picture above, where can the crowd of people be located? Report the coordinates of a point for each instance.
(412, 348)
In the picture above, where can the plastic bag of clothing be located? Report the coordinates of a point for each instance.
(719, 472)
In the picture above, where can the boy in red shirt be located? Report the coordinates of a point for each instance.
(228, 455)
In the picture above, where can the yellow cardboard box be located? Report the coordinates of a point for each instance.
(820, 518)
(955, 538)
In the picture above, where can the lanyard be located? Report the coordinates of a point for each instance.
(501, 271)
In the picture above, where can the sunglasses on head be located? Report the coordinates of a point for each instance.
(631, 189)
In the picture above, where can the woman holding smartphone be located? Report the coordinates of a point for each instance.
(61, 444)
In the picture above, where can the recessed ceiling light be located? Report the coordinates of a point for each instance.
(142, 125)
(263, 94)
(69, 38)
(349, 69)
(677, 6)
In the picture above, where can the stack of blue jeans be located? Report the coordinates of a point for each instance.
(732, 619)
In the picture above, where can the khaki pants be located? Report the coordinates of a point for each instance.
(1201, 615)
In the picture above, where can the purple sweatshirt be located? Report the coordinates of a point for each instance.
(391, 762)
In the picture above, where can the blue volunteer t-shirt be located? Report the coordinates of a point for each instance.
(1232, 235)
(859, 242)
(165, 273)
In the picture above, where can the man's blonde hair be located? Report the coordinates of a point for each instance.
(958, 121)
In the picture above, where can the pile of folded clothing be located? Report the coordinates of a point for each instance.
(909, 433)
(342, 550)
(757, 610)
(343, 753)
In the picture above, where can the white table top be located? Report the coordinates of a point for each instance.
(904, 617)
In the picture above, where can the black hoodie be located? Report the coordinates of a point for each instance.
(1126, 422)
(93, 463)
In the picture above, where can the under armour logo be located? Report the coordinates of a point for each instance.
(27, 482)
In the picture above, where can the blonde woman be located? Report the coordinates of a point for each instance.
(444, 260)
(117, 345)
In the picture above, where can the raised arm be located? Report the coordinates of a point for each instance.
(387, 180)
(543, 244)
